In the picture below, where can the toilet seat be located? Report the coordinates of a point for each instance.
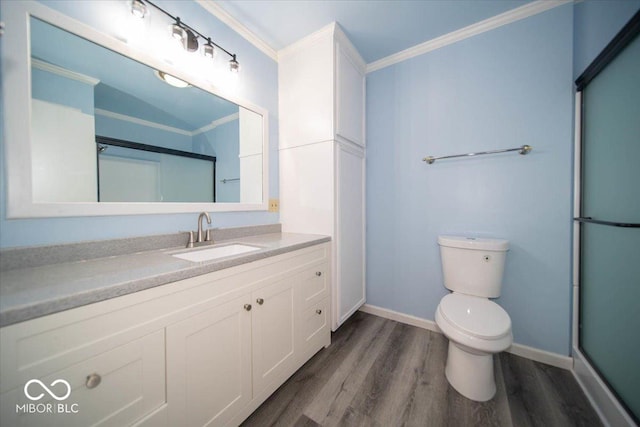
(475, 316)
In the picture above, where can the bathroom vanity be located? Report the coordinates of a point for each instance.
(167, 341)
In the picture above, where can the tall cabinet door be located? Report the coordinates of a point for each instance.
(209, 356)
(349, 286)
(350, 90)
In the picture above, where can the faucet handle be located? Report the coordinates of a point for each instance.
(190, 242)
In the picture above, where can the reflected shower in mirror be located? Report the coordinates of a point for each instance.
(84, 95)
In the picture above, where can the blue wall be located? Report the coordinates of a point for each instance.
(56, 89)
(503, 88)
(257, 83)
(222, 138)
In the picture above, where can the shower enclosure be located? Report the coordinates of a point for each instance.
(608, 213)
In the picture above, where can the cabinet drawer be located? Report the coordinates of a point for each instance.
(313, 285)
(314, 328)
(115, 388)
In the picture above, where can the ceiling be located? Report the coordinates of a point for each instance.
(376, 28)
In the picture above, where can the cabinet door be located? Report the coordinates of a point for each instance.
(209, 365)
(349, 290)
(350, 90)
(306, 189)
(273, 333)
(313, 330)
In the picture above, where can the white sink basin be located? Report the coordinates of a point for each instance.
(210, 254)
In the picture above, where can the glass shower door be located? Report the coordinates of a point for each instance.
(609, 311)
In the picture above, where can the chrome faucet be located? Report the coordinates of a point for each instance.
(208, 234)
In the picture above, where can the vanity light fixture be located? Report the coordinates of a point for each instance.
(187, 35)
(173, 81)
(138, 8)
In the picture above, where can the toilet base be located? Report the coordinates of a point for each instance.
(470, 374)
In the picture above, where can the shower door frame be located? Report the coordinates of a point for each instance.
(598, 391)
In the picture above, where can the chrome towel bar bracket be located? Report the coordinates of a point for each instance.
(224, 181)
(525, 149)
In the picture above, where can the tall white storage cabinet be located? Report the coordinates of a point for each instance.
(322, 155)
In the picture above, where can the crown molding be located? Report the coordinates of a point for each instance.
(327, 30)
(330, 30)
(492, 23)
(214, 124)
(530, 9)
(354, 55)
(54, 69)
(224, 16)
(141, 122)
(160, 126)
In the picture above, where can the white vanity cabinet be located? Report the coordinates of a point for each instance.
(202, 351)
(322, 155)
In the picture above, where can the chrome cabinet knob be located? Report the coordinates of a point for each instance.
(93, 380)
(318, 273)
(260, 301)
(247, 307)
(318, 311)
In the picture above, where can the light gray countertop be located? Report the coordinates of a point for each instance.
(27, 293)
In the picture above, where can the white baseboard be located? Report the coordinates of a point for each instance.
(542, 356)
(401, 317)
(603, 401)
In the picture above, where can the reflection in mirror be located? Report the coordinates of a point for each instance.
(132, 172)
(84, 95)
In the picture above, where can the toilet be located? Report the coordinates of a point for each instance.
(476, 327)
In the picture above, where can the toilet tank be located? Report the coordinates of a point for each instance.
(473, 266)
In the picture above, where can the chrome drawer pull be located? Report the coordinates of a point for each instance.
(318, 273)
(247, 307)
(260, 301)
(93, 381)
(318, 311)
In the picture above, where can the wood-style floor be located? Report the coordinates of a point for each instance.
(378, 372)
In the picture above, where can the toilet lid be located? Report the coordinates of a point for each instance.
(476, 316)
